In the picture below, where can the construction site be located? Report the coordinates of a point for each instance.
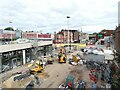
(61, 69)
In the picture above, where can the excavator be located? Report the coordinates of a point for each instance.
(74, 60)
(62, 55)
(37, 67)
(50, 60)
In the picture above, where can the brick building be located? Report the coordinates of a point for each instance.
(104, 33)
(62, 36)
(58, 38)
(73, 35)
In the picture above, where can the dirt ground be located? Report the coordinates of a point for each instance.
(54, 75)
(57, 74)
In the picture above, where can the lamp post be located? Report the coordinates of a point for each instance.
(68, 32)
(81, 36)
(10, 30)
(109, 41)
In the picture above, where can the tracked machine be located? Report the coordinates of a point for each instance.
(37, 67)
(62, 55)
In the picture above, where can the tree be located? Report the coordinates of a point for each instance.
(9, 28)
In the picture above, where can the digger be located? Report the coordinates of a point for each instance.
(62, 55)
(37, 67)
(74, 60)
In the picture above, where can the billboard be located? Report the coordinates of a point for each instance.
(44, 35)
(29, 35)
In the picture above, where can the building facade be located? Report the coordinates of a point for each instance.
(71, 37)
(38, 36)
(58, 38)
(104, 33)
(64, 37)
(84, 37)
(6, 34)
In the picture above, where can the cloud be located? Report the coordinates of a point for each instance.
(50, 15)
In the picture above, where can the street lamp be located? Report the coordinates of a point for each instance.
(68, 32)
(11, 31)
(81, 35)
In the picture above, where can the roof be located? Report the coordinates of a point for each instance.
(60, 33)
(107, 31)
(13, 47)
(69, 30)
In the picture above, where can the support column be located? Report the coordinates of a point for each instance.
(0, 62)
(51, 49)
(31, 55)
(24, 57)
(44, 50)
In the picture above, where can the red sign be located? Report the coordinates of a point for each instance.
(29, 35)
(9, 35)
(44, 35)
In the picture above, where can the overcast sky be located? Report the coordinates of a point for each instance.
(50, 15)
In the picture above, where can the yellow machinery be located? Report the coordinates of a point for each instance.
(62, 55)
(38, 67)
(50, 60)
(75, 58)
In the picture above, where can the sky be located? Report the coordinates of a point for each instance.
(48, 16)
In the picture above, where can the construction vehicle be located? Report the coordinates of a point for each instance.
(50, 60)
(74, 60)
(37, 67)
(62, 55)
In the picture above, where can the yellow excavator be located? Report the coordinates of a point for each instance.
(62, 55)
(75, 58)
(37, 67)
